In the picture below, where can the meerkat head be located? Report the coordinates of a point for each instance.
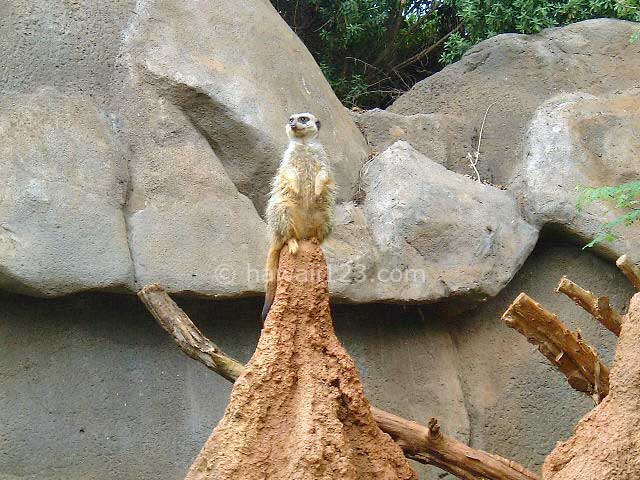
(303, 126)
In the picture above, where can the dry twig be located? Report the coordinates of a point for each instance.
(473, 159)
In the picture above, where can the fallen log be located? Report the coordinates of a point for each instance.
(599, 307)
(418, 442)
(630, 269)
(585, 372)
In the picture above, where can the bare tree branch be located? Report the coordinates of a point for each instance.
(566, 350)
(631, 271)
(599, 307)
(420, 55)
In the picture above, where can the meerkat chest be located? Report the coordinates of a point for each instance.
(306, 162)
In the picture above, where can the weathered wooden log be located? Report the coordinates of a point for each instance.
(421, 443)
(631, 271)
(599, 307)
(190, 339)
(585, 372)
(427, 444)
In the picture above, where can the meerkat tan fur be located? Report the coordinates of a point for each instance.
(302, 197)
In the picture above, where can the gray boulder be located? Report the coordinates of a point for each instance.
(237, 85)
(212, 139)
(64, 184)
(190, 229)
(436, 234)
(514, 74)
(427, 133)
(197, 95)
(162, 152)
(581, 140)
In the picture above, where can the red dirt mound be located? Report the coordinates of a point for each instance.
(606, 442)
(298, 410)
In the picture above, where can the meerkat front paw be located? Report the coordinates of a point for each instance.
(321, 182)
(293, 246)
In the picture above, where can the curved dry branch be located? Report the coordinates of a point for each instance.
(630, 269)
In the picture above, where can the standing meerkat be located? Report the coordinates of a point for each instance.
(302, 197)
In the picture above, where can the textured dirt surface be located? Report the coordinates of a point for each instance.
(298, 411)
(606, 442)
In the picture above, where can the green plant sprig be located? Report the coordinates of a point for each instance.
(625, 196)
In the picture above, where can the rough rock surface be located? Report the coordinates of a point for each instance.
(189, 227)
(64, 182)
(238, 83)
(519, 404)
(606, 442)
(424, 132)
(517, 73)
(417, 212)
(562, 98)
(579, 139)
(181, 86)
(298, 410)
(178, 104)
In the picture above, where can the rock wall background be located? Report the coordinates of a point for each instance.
(136, 144)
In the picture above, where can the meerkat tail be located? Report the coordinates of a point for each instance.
(271, 276)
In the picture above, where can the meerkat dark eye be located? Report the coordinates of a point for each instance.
(291, 120)
(303, 119)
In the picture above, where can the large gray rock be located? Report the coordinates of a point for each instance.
(581, 140)
(238, 83)
(73, 46)
(183, 127)
(197, 95)
(213, 136)
(423, 132)
(64, 182)
(189, 227)
(436, 234)
(514, 74)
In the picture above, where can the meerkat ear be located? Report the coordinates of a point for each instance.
(318, 124)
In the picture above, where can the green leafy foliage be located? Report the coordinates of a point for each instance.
(371, 51)
(625, 197)
(483, 19)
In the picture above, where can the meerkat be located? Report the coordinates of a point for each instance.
(302, 197)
